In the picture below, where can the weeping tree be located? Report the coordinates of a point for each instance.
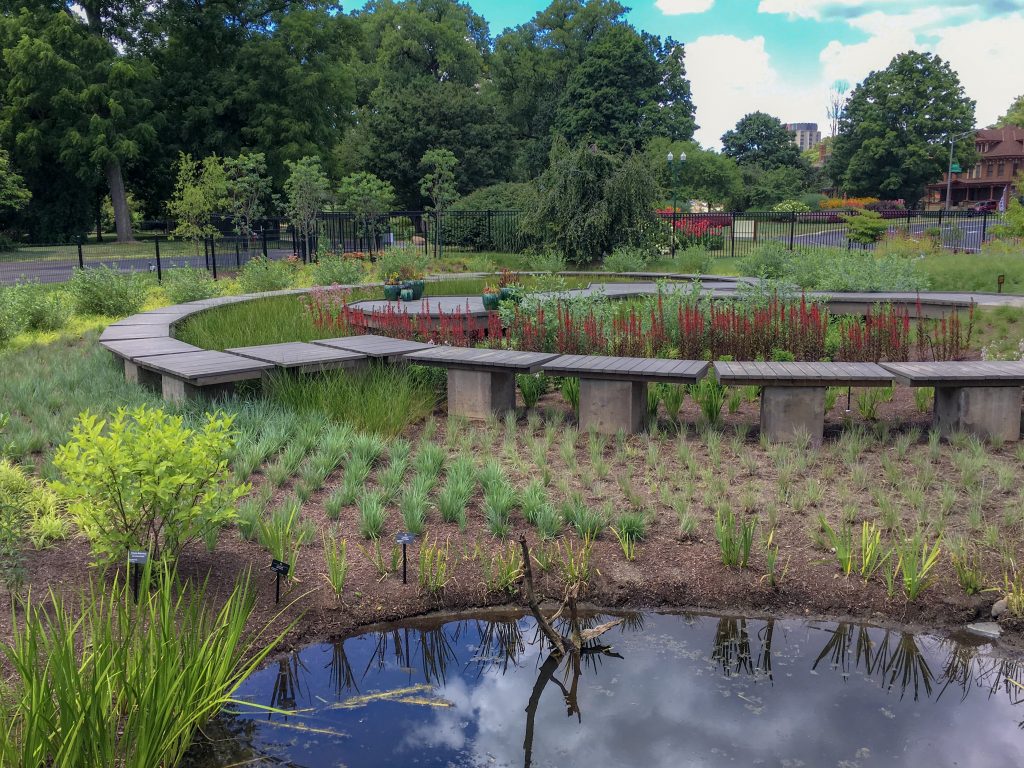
(590, 201)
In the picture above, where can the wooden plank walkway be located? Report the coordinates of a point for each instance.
(123, 332)
(298, 355)
(383, 347)
(470, 359)
(982, 373)
(130, 349)
(627, 368)
(206, 367)
(810, 374)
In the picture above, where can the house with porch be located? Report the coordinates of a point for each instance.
(1000, 159)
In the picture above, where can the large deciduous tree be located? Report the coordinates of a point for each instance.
(75, 94)
(13, 193)
(895, 130)
(760, 139)
(247, 190)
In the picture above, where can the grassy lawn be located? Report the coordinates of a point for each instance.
(975, 271)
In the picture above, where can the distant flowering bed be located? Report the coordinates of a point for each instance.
(680, 325)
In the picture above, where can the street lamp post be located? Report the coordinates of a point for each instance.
(673, 167)
(949, 168)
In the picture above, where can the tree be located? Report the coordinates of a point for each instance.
(1014, 115)
(590, 201)
(894, 133)
(611, 97)
(438, 185)
(836, 104)
(247, 190)
(760, 139)
(307, 191)
(71, 94)
(198, 193)
(704, 175)
(367, 197)
(13, 194)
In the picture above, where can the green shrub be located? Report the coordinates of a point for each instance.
(834, 269)
(39, 308)
(407, 262)
(27, 506)
(10, 322)
(332, 269)
(791, 206)
(107, 291)
(260, 275)
(145, 481)
(189, 284)
(628, 258)
(695, 260)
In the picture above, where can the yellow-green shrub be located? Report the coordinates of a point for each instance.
(146, 481)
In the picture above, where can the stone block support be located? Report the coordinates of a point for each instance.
(790, 411)
(608, 406)
(479, 394)
(176, 390)
(986, 412)
(142, 376)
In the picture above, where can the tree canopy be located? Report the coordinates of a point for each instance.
(1014, 115)
(895, 130)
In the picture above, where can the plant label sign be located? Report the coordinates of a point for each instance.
(279, 567)
(137, 557)
(405, 538)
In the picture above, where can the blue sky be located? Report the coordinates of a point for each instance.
(781, 56)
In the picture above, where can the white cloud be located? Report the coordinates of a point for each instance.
(853, 62)
(732, 76)
(808, 9)
(677, 7)
(986, 55)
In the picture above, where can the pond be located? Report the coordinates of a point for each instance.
(662, 690)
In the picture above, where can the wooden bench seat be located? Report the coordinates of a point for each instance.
(981, 397)
(301, 357)
(127, 351)
(481, 382)
(613, 390)
(187, 374)
(793, 395)
(125, 332)
(378, 347)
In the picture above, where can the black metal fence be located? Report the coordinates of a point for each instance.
(736, 234)
(723, 234)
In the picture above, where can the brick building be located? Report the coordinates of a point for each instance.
(1000, 159)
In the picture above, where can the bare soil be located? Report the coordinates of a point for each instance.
(967, 491)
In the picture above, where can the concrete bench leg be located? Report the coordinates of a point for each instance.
(177, 391)
(478, 394)
(609, 406)
(142, 376)
(986, 412)
(789, 411)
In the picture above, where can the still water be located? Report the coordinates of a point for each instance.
(661, 690)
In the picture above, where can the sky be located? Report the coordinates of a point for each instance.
(782, 56)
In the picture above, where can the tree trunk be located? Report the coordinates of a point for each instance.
(119, 199)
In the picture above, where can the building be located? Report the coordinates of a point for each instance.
(805, 135)
(1000, 159)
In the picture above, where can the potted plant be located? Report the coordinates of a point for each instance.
(407, 294)
(413, 280)
(491, 298)
(509, 287)
(392, 287)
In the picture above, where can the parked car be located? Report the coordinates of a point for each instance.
(985, 206)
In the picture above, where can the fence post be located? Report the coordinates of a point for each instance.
(206, 253)
(672, 235)
(792, 229)
(238, 256)
(732, 235)
(984, 228)
(213, 257)
(263, 233)
(81, 258)
(159, 268)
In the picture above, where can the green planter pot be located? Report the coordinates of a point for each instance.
(416, 286)
(491, 301)
(504, 294)
(392, 292)
(408, 294)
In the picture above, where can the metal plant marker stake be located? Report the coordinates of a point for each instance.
(405, 539)
(136, 560)
(280, 569)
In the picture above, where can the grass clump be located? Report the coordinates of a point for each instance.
(735, 538)
(107, 291)
(381, 399)
(372, 514)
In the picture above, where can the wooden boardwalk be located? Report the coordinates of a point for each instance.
(471, 359)
(812, 374)
(985, 373)
(627, 368)
(380, 347)
(300, 356)
(206, 367)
